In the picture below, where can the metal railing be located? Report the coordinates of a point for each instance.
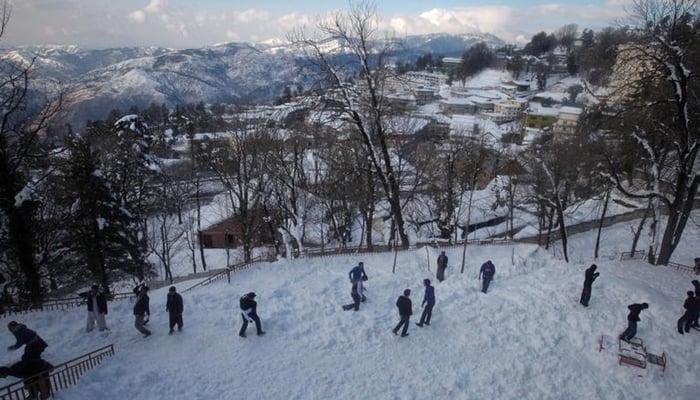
(322, 253)
(61, 376)
(55, 304)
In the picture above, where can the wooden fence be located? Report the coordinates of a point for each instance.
(61, 377)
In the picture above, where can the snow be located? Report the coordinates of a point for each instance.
(528, 338)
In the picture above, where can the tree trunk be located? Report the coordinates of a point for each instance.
(600, 224)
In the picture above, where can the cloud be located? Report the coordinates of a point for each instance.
(108, 23)
(156, 6)
(138, 16)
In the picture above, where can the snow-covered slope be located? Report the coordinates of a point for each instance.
(527, 338)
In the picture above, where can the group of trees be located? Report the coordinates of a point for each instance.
(94, 205)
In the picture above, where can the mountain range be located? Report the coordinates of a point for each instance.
(96, 81)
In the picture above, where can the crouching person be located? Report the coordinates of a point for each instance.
(35, 373)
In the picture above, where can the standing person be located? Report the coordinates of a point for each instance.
(405, 311)
(695, 323)
(356, 297)
(38, 386)
(488, 270)
(441, 265)
(142, 309)
(358, 276)
(428, 303)
(249, 313)
(632, 319)
(96, 308)
(591, 276)
(691, 313)
(174, 307)
(33, 344)
(696, 268)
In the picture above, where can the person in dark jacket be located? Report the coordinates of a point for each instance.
(591, 276)
(142, 310)
(174, 307)
(35, 374)
(403, 303)
(96, 308)
(441, 265)
(696, 268)
(691, 313)
(356, 297)
(33, 344)
(487, 271)
(428, 303)
(249, 313)
(632, 319)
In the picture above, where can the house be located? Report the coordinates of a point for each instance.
(506, 111)
(456, 105)
(229, 234)
(539, 117)
(567, 120)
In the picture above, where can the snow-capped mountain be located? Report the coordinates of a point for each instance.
(98, 81)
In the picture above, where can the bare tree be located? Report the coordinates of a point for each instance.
(656, 84)
(25, 112)
(365, 105)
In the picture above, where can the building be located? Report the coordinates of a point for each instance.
(567, 120)
(506, 111)
(228, 233)
(456, 105)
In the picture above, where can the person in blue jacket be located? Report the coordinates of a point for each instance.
(486, 273)
(357, 277)
(428, 303)
(403, 303)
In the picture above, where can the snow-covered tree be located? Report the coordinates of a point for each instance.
(656, 93)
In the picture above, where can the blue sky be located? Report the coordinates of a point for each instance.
(190, 23)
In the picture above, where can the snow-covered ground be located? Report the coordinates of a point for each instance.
(528, 338)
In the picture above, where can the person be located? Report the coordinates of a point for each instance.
(174, 307)
(696, 268)
(428, 303)
(35, 374)
(695, 323)
(691, 313)
(441, 265)
(142, 310)
(356, 297)
(96, 308)
(403, 303)
(590, 276)
(632, 319)
(358, 276)
(249, 313)
(33, 344)
(488, 270)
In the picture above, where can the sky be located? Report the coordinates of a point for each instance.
(189, 23)
(526, 338)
